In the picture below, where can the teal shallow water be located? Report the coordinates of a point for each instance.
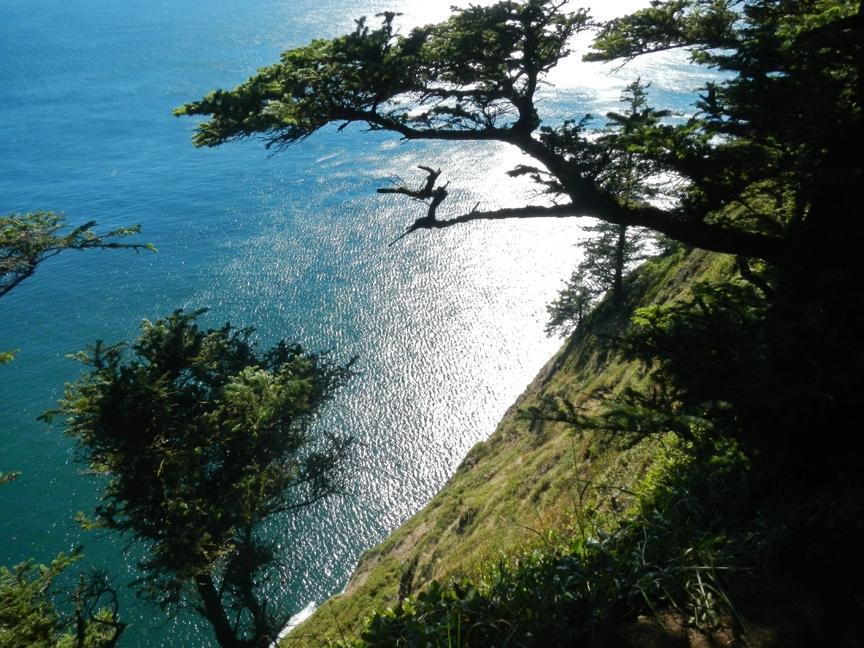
(447, 326)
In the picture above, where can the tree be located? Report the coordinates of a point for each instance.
(608, 257)
(28, 613)
(617, 248)
(26, 240)
(202, 441)
(792, 70)
(767, 169)
(472, 77)
(28, 617)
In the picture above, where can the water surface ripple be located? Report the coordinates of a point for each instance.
(447, 325)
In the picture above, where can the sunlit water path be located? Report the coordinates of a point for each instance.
(448, 326)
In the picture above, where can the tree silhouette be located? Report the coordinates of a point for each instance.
(26, 240)
(767, 168)
(202, 441)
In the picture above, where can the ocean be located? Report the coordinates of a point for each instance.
(447, 325)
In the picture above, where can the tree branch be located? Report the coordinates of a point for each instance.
(380, 121)
(701, 235)
(589, 200)
(27, 240)
(529, 211)
(423, 193)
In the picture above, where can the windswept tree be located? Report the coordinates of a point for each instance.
(27, 240)
(475, 77)
(767, 168)
(203, 440)
(33, 611)
(86, 617)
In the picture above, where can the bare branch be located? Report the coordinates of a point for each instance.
(423, 193)
(430, 220)
(437, 195)
(528, 211)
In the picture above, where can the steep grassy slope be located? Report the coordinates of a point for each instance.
(531, 481)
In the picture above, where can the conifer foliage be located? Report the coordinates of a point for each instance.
(202, 440)
(32, 609)
(767, 167)
(26, 240)
(88, 617)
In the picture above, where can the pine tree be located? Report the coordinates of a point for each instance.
(203, 440)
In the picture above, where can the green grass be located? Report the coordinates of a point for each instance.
(668, 557)
(531, 483)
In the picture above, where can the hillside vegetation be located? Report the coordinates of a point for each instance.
(690, 461)
(533, 483)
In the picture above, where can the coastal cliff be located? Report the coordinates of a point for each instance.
(533, 482)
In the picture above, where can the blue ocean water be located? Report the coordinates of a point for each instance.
(448, 326)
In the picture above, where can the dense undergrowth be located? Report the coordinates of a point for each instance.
(695, 563)
(670, 553)
(719, 542)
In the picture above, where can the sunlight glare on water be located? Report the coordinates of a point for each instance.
(447, 325)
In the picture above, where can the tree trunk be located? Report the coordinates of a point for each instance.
(620, 255)
(215, 612)
(264, 636)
